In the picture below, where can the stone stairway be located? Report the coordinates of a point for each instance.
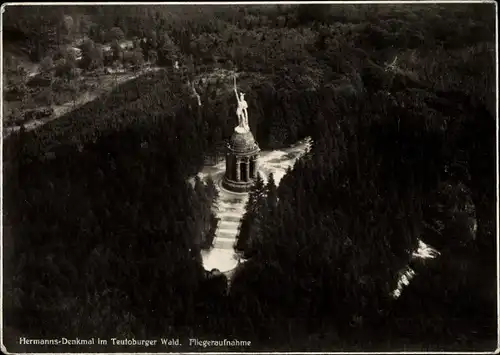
(230, 214)
(230, 209)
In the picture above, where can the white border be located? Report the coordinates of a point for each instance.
(2, 10)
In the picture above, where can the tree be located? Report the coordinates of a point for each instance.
(153, 56)
(68, 24)
(85, 27)
(249, 231)
(115, 66)
(92, 55)
(10, 62)
(16, 82)
(66, 68)
(74, 90)
(153, 40)
(117, 50)
(168, 52)
(272, 194)
(115, 34)
(137, 59)
(14, 115)
(211, 187)
(47, 65)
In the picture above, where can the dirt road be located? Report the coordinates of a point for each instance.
(107, 83)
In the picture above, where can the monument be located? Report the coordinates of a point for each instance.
(242, 151)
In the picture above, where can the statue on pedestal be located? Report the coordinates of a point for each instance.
(241, 111)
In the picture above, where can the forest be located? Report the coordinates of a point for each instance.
(102, 233)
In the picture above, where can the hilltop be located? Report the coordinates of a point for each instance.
(399, 103)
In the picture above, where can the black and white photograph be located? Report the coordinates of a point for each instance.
(256, 177)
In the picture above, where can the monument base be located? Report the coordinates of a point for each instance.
(237, 186)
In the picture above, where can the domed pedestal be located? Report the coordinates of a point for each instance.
(241, 161)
